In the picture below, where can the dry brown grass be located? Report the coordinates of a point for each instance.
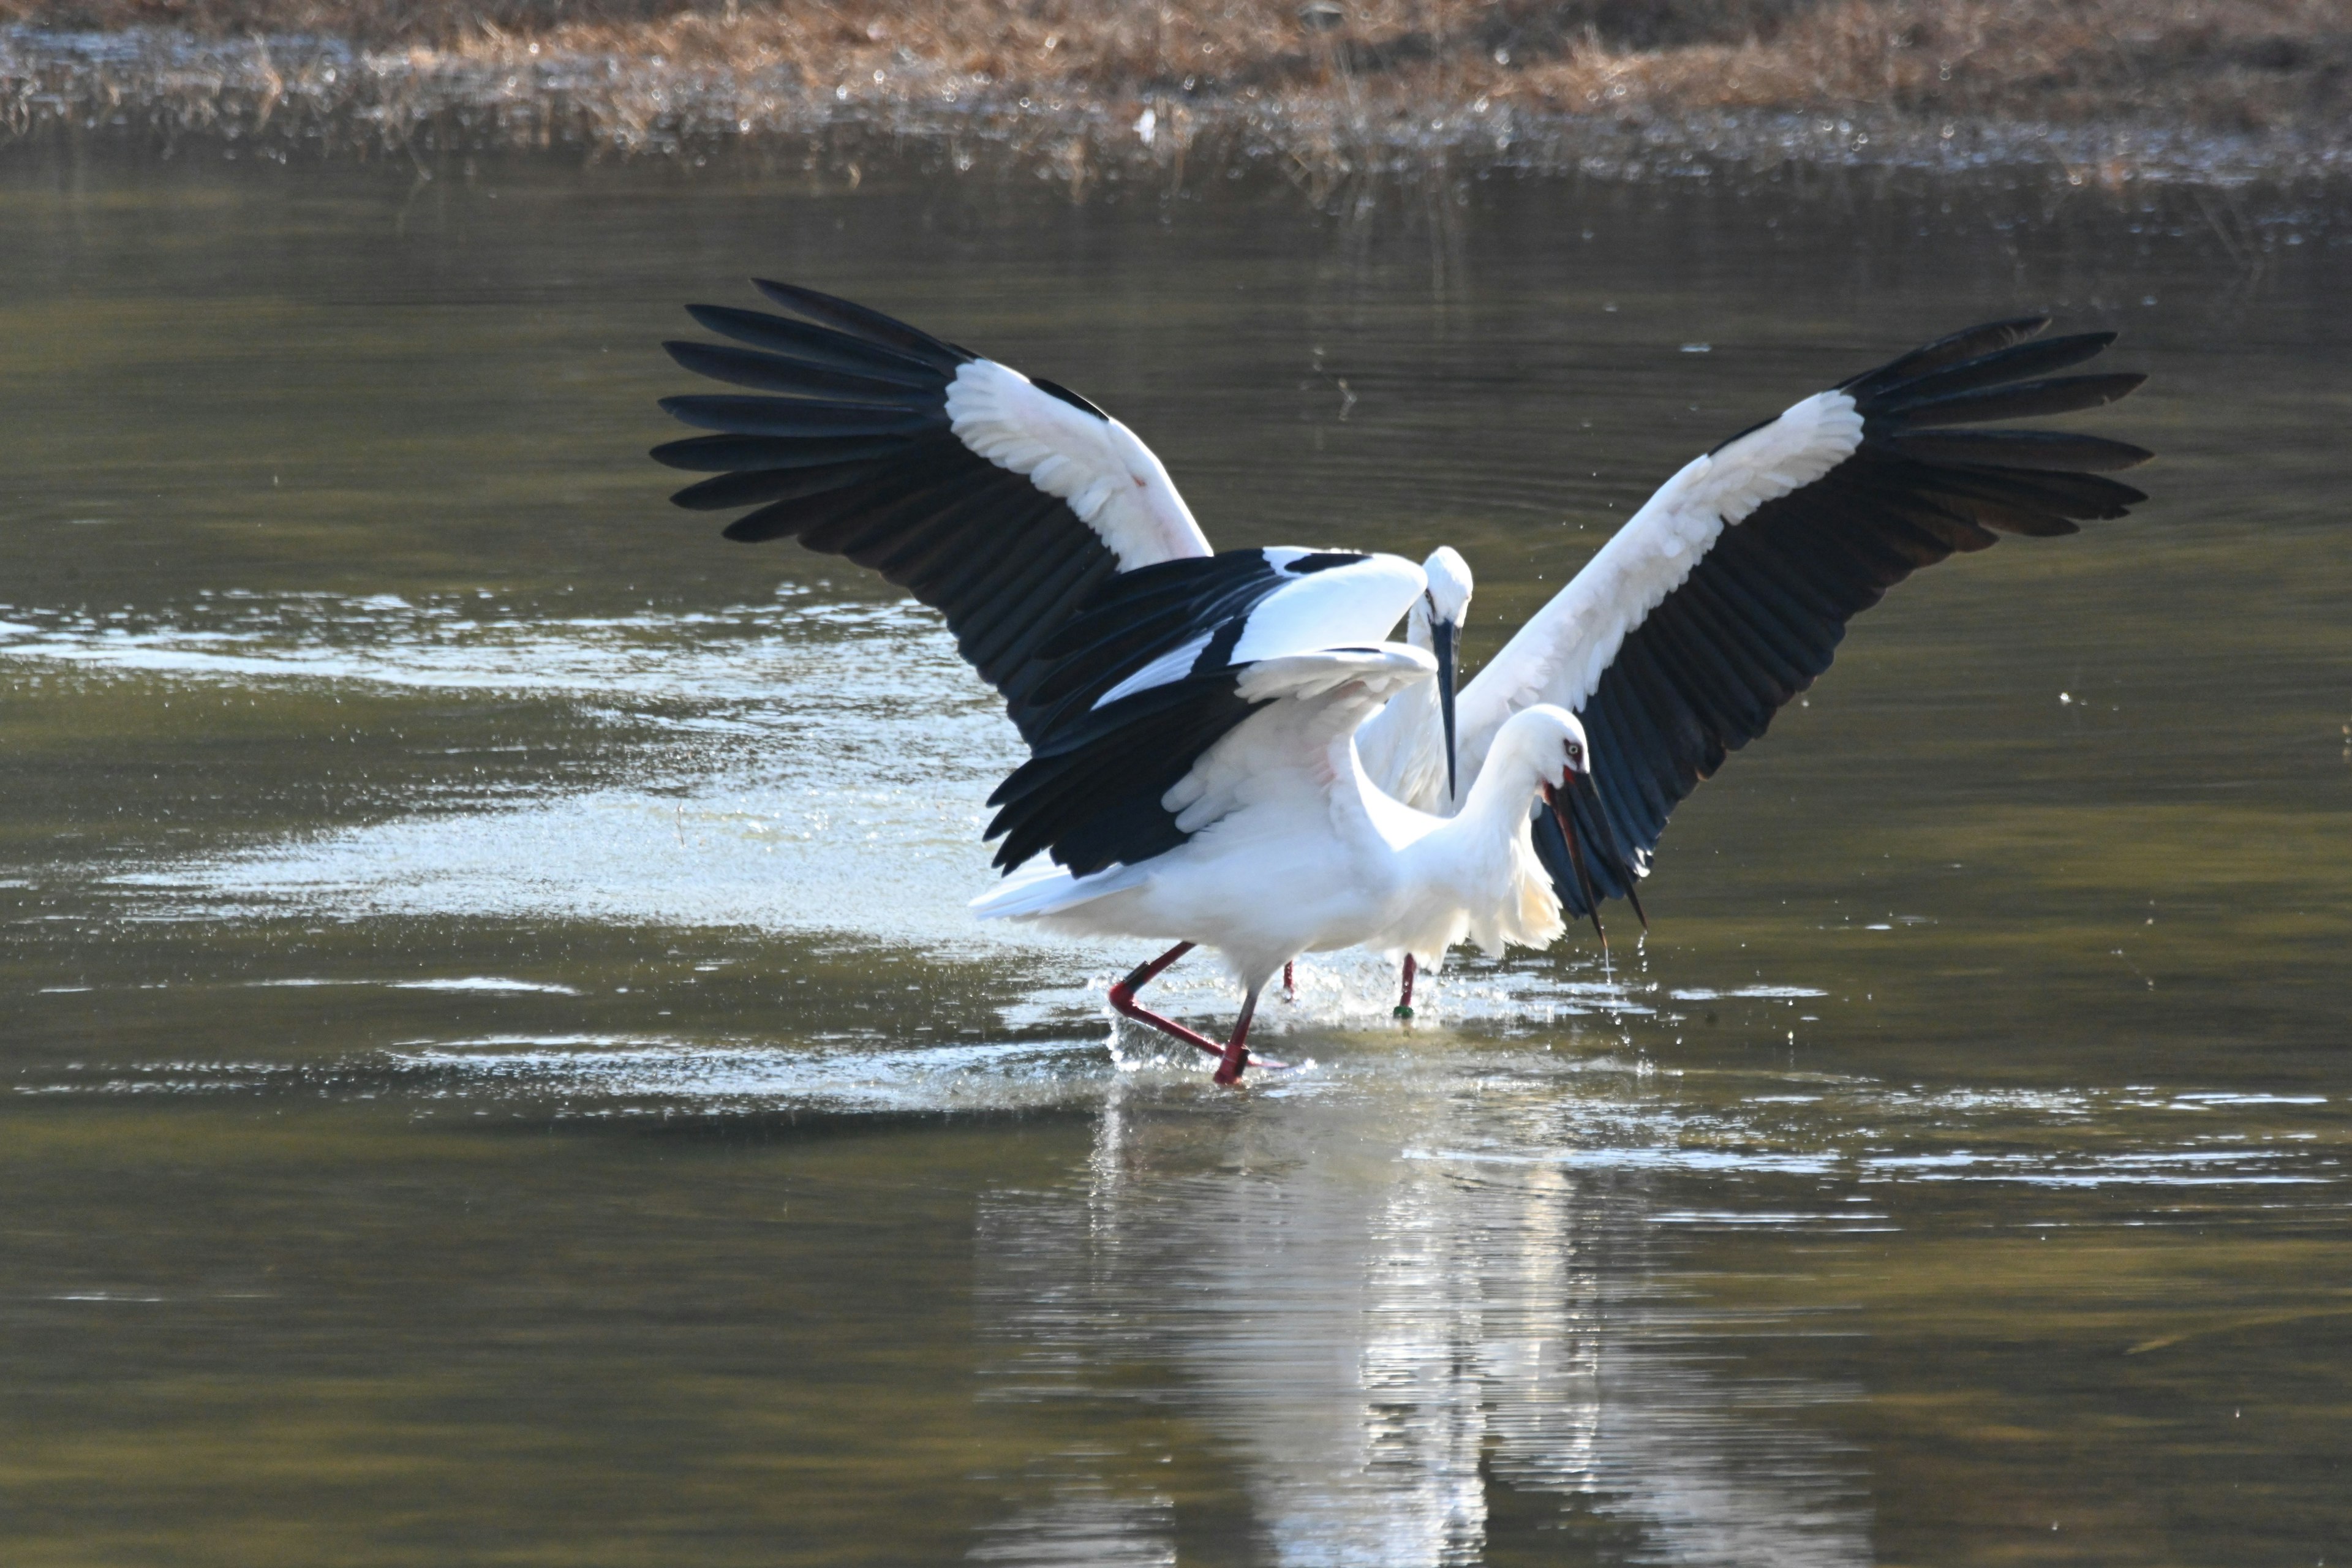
(2228, 63)
(2213, 65)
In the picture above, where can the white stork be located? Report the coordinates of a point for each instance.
(1190, 716)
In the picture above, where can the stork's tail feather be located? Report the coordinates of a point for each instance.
(1042, 888)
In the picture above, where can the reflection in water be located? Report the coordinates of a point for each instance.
(1086, 1527)
(1380, 1339)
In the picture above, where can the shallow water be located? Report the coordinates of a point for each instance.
(500, 1070)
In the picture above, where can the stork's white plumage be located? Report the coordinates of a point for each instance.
(1113, 482)
(1190, 716)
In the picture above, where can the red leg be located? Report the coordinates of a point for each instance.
(1404, 1006)
(1230, 1056)
(1122, 996)
(1237, 1052)
(1289, 983)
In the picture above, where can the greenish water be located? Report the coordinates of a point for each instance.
(497, 1070)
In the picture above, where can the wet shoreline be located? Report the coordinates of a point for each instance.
(310, 96)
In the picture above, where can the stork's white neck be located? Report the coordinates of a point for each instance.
(1476, 874)
(1508, 782)
(1478, 847)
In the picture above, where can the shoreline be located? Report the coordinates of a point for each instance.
(313, 95)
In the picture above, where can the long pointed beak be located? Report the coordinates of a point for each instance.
(1441, 636)
(1589, 793)
(1576, 858)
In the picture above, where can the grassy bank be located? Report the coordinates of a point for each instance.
(1334, 82)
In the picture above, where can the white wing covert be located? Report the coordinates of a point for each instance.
(1314, 698)
(1069, 448)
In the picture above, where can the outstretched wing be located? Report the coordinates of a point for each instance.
(1727, 593)
(999, 500)
(1141, 774)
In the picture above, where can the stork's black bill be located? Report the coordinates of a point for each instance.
(1442, 638)
(1587, 795)
(1576, 861)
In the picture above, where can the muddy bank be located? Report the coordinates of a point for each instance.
(2107, 93)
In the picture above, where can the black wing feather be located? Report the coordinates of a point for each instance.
(844, 443)
(866, 324)
(780, 372)
(815, 345)
(1092, 795)
(724, 454)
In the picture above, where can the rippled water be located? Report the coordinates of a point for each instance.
(499, 1069)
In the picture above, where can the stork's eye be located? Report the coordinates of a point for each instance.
(1574, 750)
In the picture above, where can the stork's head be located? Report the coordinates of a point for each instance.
(1448, 598)
(1552, 741)
(1438, 616)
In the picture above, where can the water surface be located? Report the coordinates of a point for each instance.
(498, 1069)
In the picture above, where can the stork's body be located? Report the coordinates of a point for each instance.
(1319, 858)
